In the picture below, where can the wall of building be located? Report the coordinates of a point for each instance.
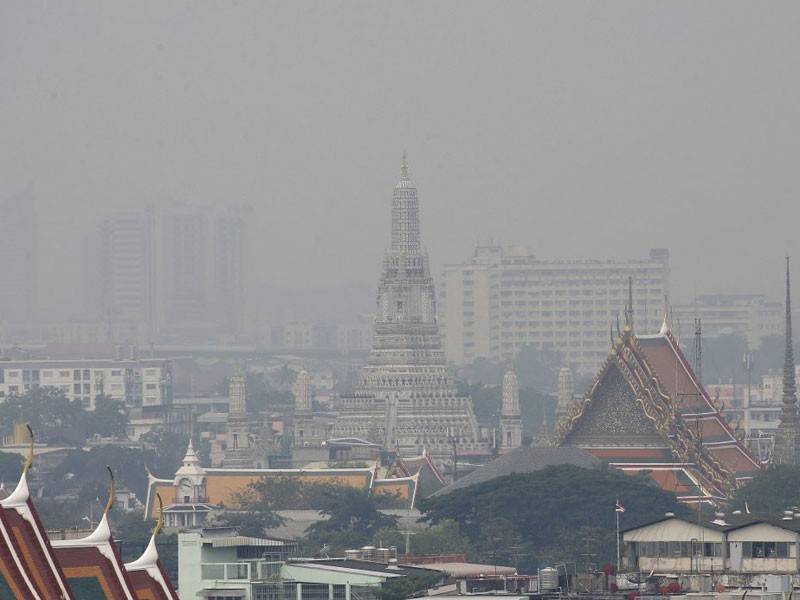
(144, 382)
(501, 300)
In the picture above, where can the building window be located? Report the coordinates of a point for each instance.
(765, 549)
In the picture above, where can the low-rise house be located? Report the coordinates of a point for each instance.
(737, 543)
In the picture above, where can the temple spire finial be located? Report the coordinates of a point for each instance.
(111, 492)
(629, 307)
(789, 382)
(29, 460)
(160, 522)
(404, 166)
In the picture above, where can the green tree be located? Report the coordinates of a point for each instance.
(541, 512)
(538, 367)
(53, 417)
(108, 419)
(10, 466)
(84, 472)
(443, 538)
(771, 491)
(252, 521)
(353, 518)
(166, 450)
(412, 586)
(60, 514)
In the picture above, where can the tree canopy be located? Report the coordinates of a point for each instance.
(554, 514)
(487, 400)
(57, 419)
(771, 491)
(353, 518)
(10, 466)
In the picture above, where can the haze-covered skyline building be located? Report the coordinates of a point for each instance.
(503, 299)
(201, 268)
(18, 257)
(406, 398)
(121, 285)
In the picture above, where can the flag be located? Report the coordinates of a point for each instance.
(619, 508)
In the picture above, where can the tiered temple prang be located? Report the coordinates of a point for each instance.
(406, 399)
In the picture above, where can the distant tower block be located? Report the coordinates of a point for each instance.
(237, 392)
(302, 393)
(566, 392)
(510, 418)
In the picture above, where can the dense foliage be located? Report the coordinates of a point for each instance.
(487, 401)
(412, 586)
(353, 515)
(59, 420)
(353, 518)
(550, 515)
(771, 491)
(10, 466)
(442, 538)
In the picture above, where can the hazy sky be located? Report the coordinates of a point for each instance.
(575, 128)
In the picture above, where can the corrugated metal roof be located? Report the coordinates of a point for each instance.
(243, 540)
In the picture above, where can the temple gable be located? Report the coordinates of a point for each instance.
(613, 417)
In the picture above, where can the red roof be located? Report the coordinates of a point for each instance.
(682, 416)
(24, 541)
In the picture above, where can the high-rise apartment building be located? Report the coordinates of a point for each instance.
(201, 264)
(120, 259)
(504, 299)
(18, 257)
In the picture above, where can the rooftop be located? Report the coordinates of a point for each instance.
(523, 460)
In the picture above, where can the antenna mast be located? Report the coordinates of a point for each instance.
(698, 350)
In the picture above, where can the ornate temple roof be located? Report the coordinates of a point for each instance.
(27, 562)
(222, 484)
(82, 569)
(147, 574)
(647, 411)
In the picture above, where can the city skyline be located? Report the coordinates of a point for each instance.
(578, 133)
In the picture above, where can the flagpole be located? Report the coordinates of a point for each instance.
(616, 512)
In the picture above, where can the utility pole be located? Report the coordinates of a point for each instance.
(748, 366)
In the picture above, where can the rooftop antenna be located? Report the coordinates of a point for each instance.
(698, 350)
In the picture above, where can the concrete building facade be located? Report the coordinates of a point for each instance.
(503, 299)
(139, 383)
(18, 257)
